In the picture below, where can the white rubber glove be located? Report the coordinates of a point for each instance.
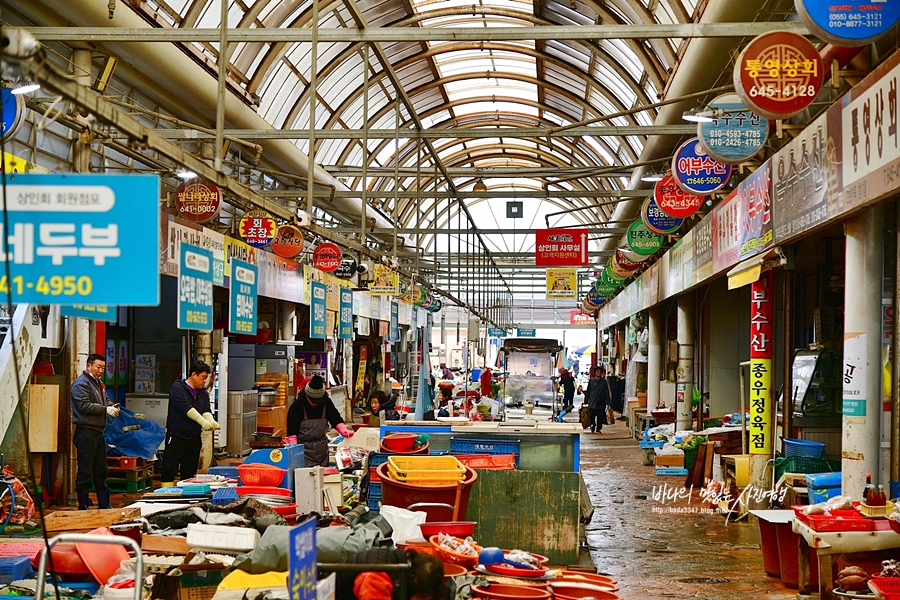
(213, 425)
(198, 418)
(112, 411)
(344, 430)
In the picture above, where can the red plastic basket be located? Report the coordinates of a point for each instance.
(836, 520)
(259, 490)
(488, 461)
(257, 474)
(887, 587)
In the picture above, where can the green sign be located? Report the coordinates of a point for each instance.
(610, 279)
(606, 290)
(643, 241)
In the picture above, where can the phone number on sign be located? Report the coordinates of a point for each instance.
(56, 285)
(789, 91)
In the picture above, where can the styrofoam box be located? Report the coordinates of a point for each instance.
(147, 361)
(145, 374)
(144, 387)
(221, 537)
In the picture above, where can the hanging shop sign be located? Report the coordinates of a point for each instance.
(561, 247)
(13, 107)
(302, 574)
(595, 298)
(726, 226)
(624, 262)
(70, 238)
(394, 331)
(603, 288)
(317, 310)
(703, 249)
(562, 284)
(735, 134)
(93, 312)
(761, 426)
(345, 327)
(195, 288)
(526, 332)
(436, 305)
(674, 201)
(288, 241)
(610, 279)
(756, 213)
(696, 172)
(496, 332)
(577, 317)
(242, 296)
(198, 201)
(327, 257)
(642, 240)
(423, 296)
(778, 75)
(347, 269)
(614, 266)
(258, 228)
(632, 255)
(402, 288)
(384, 281)
(657, 220)
(848, 23)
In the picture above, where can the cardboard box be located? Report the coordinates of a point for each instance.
(641, 398)
(670, 460)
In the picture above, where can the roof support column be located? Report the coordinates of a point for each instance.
(654, 356)
(685, 370)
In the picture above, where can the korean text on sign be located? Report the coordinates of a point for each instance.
(760, 425)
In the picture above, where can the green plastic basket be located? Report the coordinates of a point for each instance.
(804, 464)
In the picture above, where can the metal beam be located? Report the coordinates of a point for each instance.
(325, 194)
(416, 34)
(441, 231)
(351, 171)
(435, 133)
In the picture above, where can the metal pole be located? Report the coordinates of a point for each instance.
(220, 91)
(654, 356)
(365, 148)
(684, 386)
(311, 154)
(787, 393)
(895, 358)
(862, 350)
(746, 363)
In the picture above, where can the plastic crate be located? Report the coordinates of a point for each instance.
(15, 568)
(373, 475)
(195, 489)
(835, 520)
(378, 458)
(259, 474)
(481, 446)
(886, 587)
(374, 495)
(224, 495)
(803, 464)
(804, 448)
(488, 461)
(227, 472)
(426, 470)
(651, 443)
(876, 511)
(671, 472)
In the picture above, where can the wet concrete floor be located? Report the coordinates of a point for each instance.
(680, 553)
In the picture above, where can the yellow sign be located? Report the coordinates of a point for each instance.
(760, 427)
(562, 284)
(385, 281)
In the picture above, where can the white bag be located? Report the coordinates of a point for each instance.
(405, 523)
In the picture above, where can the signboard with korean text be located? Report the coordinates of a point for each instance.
(641, 240)
(756, 213)
(805, 175)
(94, 312)
(696, 172)
(703, 249)
(327, 257)
(174, 230)
(657, 220)
(13, 107)
(361, 367)
(384, 281)
(317, 310)
(561, 247)
(595, 299)
(347, 268)
(238, 250)
(673, 200)
(606, 290)
(345, 328)
(526, 332)
(302, 572)
(288, 241)
(195, 288)
(70, 238)
(624, 263)
(778, 74)
(394, 331)
(576, 317)
(258, 228)
(496, 332)
(281, 278)
(562, 284)
(726, 233)
(333, 293)
(198, 200)
(735, 134)
(849, 23)
(855, 374)
(242, 298)
(610, 279)
(761, 425)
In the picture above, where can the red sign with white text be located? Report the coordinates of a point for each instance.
(327, 257)
(576, 317)
(561, 247)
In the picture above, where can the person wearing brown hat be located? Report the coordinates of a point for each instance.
(309, 417)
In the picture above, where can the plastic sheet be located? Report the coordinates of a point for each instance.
(142, 442)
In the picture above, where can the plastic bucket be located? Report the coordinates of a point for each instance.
(396, 493)
(787, 553)
(804, 448)
(768, 544)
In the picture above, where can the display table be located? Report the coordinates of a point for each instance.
(828, 544)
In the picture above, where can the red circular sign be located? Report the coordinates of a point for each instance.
(198, 201)
(674, 201)
(288, 241)
(623, 263)
(778, 74)
(327, 257)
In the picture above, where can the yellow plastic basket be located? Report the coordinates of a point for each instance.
(876, 511)
(428, 470)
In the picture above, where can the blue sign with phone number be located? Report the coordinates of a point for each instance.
(849, 23)
(81, 239)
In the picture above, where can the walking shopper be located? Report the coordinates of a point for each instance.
(188, 417)
(597, 397)
(567, 381)
(89, 412)
(486, 379)
(309, 417)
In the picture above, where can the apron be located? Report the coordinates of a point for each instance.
(312, 436)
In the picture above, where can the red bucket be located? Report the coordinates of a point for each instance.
(396, 493)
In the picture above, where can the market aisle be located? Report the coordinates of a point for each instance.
(653, 554)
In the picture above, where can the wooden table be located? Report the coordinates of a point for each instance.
(828, 544)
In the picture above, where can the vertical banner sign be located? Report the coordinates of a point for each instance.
(195, 288)
(302, 574)
(394, 332)
(317, 319)
(855, 375)
(761, 428)
(361, 371)
(756, 213)
(243, 298)
(345, 328)
(562, 284)
(561, 247)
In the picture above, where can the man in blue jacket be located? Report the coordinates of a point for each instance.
(89, 411)
(189, 415)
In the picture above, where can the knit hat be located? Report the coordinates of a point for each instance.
(315, 389)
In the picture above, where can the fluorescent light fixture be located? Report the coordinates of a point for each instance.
(652, 177)
(185, 174)
(26, 88)
(696, 117)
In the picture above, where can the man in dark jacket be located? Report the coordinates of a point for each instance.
(425, 582)
(308, 418)
(89, 411)
(189, 415)
(567, 383)
(597, 397)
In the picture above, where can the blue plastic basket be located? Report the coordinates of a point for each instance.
(652, 444)
(667, 471)
(378, 458)
(804, 448)
(374, 495)
(479, 446)
(224, 495)
(14, 568)
(227, 472)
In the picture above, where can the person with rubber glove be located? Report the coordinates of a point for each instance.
(90, 408)
(189, 415)
(309, 417)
